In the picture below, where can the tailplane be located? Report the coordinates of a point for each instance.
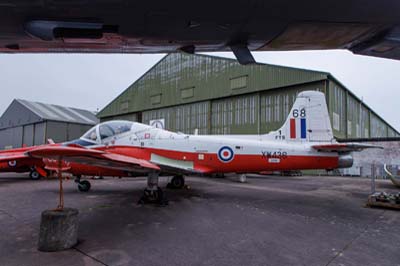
(308, 120)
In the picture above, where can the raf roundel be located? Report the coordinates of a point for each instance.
(225, 154)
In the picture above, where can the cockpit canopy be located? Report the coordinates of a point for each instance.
(106, 130)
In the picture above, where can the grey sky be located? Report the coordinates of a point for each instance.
(91, 81)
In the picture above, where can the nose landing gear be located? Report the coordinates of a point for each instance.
(153, 193)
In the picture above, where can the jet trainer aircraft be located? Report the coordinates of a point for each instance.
(305, 141)
(366, 27)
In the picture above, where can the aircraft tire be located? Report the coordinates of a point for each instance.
(177, 182)
(34, 175)
(84, 186)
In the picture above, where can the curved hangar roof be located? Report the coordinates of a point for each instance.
(22, 112)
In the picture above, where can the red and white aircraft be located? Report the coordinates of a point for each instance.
(305, 141)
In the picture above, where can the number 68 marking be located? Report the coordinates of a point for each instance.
(297, 112)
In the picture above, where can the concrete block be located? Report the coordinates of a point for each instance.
(58, 230)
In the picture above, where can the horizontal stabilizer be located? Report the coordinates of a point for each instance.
(344, 147)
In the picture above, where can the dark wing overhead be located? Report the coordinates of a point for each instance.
(367, 27)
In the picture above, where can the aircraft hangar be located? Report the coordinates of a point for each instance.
(28, 123)
(219, 96)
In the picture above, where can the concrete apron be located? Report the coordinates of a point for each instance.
(58, 229)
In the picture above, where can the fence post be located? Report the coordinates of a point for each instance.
(373, 173)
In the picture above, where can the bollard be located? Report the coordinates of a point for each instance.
(58, 229)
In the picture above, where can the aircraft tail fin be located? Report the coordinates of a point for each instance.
(308, 120)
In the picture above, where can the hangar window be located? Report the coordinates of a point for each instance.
(222, 116)
(124, 106)
(155, 99)
(245, 110)
(238, 82)
(187, 93)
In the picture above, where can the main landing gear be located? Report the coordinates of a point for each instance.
(177, 182)
(34, 175)
(153, 193)
(83, 185)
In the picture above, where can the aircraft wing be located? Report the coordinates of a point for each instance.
(93, 157)
(6, 157)
(345, 147)
(18, 159)
(367, 27)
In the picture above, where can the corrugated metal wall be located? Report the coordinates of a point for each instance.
(345, 110)
(37, 134)
(337, 109)
(11, 137)
(57, 131)
(76, 130)
(28, 135)
(378, 127)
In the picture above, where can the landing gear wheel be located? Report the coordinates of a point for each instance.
(84, 186)
(153, 196)
(34, 175)
(177, 182)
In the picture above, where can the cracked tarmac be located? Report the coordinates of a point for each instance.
(269, 220)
